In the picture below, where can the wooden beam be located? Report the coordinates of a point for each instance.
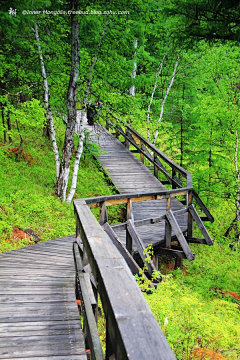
(103, 213)
(135, 197)
(200, 225)
(140, 247)
(203, 207)
(90, 325)
(133, 266)
(178, 233)
(170, 252)
(190, 219)
(197, 241)
(153, 148)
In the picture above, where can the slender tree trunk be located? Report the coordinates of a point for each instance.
(237, 183)
(181, 145)
(49, 115)
(210, 163)
(68, 146)
(81, 132)
(134, 72)
(165, 98)
(4, 128)
(153, 93)
(9, 128)
(76, 168)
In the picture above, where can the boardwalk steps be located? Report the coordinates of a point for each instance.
(176, 211)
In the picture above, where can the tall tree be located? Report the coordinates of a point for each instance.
(62, 182)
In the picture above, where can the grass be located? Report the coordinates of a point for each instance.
(197, 307)
(28, 192)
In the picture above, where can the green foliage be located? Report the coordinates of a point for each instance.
(190, 321)
(27, 192)
(144, 283)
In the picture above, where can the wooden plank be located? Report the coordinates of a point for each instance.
(89, 318)
(38, 314)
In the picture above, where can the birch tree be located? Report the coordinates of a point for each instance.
(134, 72)
(49, 114)
(165, 98)
(237, 182)
(81, 132)
(62, 183)
(153, 92)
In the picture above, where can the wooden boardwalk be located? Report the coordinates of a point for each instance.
(39, 316)
(130, 175)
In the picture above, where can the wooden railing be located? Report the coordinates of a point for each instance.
(156, 157)
(132, 332)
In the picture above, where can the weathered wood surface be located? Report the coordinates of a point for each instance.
(39, 317)
(130, 175)
(132, 329)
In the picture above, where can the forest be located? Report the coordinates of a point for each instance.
(168, 68)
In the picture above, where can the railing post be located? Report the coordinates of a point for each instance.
(126, 141)
(155, 166)
(129, 216)
(142, 155)
(77, 225)
(173, 174)
(155, 261)
(168, 227)
(190, 219)
(109, 349)
(103, 214)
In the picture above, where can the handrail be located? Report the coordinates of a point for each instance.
(132, 331)
(124, 198)
(170, 162)
(85, 294)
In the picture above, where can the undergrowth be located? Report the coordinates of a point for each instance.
(28, 197)
(197, 306)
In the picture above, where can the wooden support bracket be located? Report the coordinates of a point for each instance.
(140, 247)
(133, 266)
(103, 213)
(178, 233)
(200, 224)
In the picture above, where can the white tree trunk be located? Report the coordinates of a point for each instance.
(82, 114)
(237, 182)
(68, 146)
(153, 92)
(165, 98)
(76, 168)
(49, 115)
(134, 72)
